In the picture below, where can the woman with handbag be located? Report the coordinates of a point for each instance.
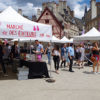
(95, 52)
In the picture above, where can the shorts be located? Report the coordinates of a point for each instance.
(96, 57)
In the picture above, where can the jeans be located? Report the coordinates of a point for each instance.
(49, 57)
(63, 62)
(71, 63)
(56, 62)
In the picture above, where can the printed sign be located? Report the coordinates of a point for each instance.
(28, 31)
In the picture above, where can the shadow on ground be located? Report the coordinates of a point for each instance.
(86, 72)
(11, 75)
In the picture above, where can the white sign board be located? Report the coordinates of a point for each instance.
(25, 31)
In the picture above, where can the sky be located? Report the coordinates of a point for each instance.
(29, 7)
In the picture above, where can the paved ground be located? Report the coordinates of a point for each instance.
(80, 85)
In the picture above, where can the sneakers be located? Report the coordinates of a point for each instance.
(94, 73)
(71, 71)
(98, 72)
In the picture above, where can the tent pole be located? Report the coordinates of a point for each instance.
(50, 60)
(30, 47)
(19, 45)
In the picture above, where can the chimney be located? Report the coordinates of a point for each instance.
(62, 6)
(38, 13)
(34, 18)
(20, 11)
(44, 6)
(72, 13)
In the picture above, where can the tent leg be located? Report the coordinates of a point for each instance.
(30, 47)
(19, 46)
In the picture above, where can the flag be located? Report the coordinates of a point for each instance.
(83, 32)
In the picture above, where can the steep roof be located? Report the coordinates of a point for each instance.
(76, 21)
(79, 23)
(47, 9)
(67, 17)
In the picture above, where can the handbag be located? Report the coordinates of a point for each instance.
(93, 59)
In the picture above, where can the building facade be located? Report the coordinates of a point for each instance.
(47, 17)
(92, 16)
(63, 15)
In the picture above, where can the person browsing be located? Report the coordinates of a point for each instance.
(38, 50)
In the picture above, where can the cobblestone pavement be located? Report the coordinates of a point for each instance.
(80, 85)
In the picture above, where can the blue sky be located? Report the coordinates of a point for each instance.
(29, 7)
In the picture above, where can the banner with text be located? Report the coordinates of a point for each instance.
(25, 31)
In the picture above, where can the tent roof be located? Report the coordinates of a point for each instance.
(54, 39)
(64, 39)
(11, 15)
(71, 40)
(93, 34)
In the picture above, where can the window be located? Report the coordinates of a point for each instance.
(47, 14)
(47, 21)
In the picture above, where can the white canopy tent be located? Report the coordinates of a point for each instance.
(93, 34)
(15, 26)
(64, 40)
(56, 40)
(71, 40)
(28, 40)
(53, 39)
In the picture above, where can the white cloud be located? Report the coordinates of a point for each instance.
(77, 7)
(2, 6)
(29, 8)
(30, 5)
(79, 11)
